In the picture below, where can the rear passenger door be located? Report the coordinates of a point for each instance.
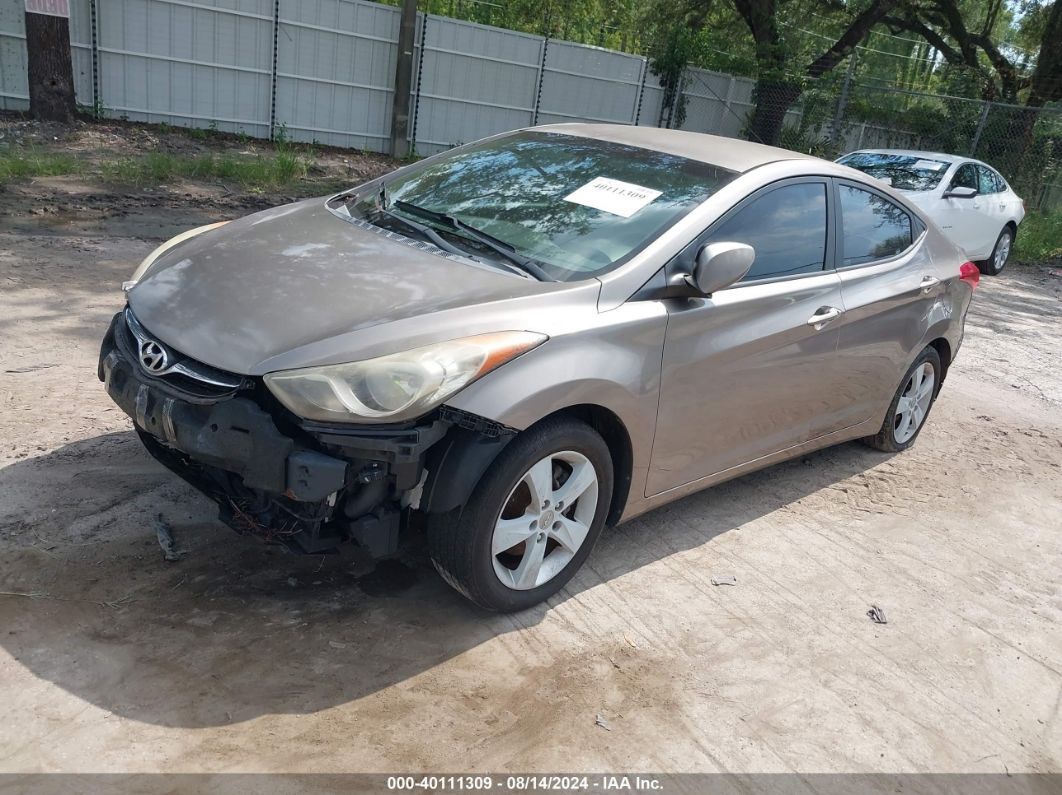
(993, 191)
(889, 288)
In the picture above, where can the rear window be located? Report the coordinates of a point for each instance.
(903, 172)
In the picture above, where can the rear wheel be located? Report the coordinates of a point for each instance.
(910, 405)
(995, 264)
(531, 521)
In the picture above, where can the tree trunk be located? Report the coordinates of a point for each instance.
(774, 98)
(51, 74)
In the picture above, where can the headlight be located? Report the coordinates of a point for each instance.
(397, 387)
(158, 252)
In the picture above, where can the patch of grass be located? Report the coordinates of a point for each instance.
(1040, 237)
(256, 172)
(266, 171)
(27, 164)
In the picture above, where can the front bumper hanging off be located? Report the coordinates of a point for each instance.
(306, 486)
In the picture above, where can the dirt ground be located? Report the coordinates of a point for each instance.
(239, 658)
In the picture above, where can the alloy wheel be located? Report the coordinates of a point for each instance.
(545, 520)
(914, 403)
(1002, 252)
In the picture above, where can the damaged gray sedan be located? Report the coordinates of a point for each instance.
(515, 343)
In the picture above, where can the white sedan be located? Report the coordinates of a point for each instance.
(969, 200)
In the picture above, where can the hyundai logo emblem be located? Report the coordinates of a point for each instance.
(153, 357)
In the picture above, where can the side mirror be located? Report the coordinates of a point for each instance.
(719, 265)
(960, 193)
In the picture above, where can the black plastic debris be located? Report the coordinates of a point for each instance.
(877, 615)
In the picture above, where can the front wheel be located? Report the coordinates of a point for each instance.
(910, 405)
(995, 264)
(531, 521)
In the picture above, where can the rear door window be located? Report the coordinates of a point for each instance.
(873, 227)
(786, 227)
(987, 181)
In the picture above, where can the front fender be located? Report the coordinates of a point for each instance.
(613, 361)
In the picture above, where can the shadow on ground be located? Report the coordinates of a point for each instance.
(237, 629)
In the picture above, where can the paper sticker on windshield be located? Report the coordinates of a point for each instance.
(930, 165)
(613, 196)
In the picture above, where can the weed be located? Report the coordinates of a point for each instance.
(1040, 237)
(280, 135)
(30, 163)
(252, 172)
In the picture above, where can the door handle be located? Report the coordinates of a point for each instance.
(824, 316)
(928, 283)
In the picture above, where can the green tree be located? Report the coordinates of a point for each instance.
(784, 61)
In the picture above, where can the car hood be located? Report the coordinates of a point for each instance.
(241, 295)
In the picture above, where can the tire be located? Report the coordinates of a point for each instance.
(894, 435)
(463, 544)
(994, 265)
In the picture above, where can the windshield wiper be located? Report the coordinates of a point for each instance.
(495, 244)
(434, 237)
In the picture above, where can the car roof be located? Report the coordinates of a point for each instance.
(729, 153)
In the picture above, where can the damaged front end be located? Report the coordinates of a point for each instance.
(305, 485)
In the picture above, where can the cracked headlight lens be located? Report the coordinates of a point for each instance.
(398, 387)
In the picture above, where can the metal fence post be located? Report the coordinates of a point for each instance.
(420, 77)
(676, 97)
(407, 33)
(97, 100)
(541, 78)
(842, 101)
(273, 75)
(727, 103)
(641, 92)
(980, 128)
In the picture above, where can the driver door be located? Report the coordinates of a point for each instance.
(747, 370)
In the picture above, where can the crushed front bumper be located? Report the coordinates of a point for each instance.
(309, 489)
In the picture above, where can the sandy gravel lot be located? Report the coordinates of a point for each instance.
(239, 658)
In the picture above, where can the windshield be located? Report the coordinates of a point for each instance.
(577, 207)
(903, 172)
